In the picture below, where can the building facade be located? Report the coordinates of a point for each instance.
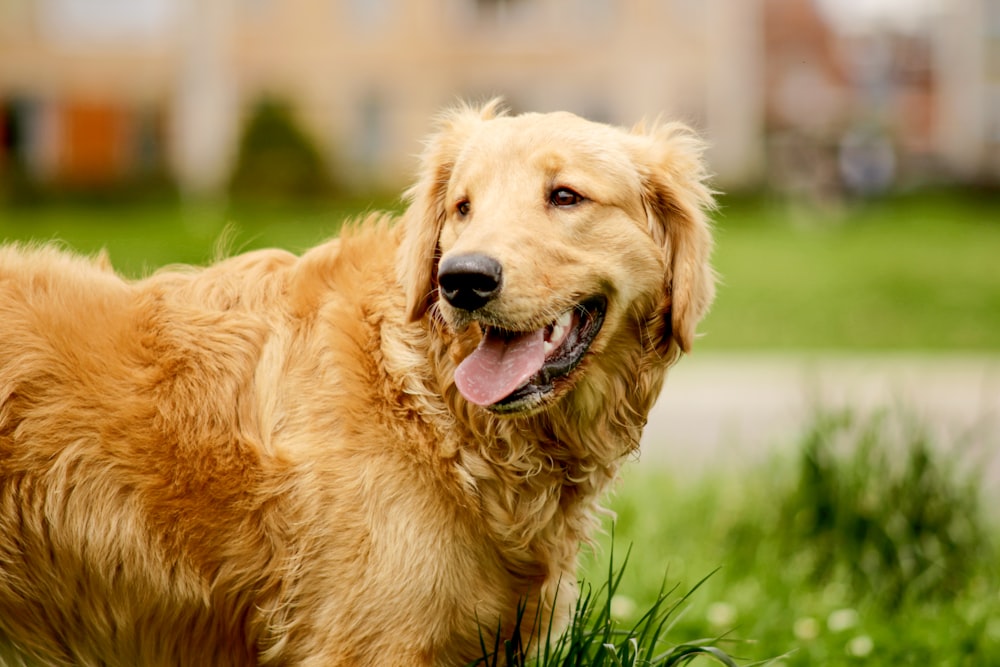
(96, 90)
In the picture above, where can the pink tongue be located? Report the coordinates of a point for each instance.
(499, 366)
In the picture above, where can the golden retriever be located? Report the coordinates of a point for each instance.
(371, 454)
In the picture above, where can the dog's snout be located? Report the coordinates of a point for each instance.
(469, 281)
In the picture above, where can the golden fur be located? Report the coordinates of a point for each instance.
(266, 461)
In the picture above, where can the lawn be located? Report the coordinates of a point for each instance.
(143, 236)
(840, 557)
(916, 272)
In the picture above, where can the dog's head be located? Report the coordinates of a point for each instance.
(558, 237)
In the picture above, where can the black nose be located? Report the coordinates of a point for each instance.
(469, 281)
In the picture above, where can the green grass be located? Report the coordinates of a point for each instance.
(141, 237)
(869, 548)
(597, 637)
(917, 272)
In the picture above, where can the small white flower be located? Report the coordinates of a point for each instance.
(721, 614)
(860, 646)
(806, 628)
(842, 619)
(622, 607)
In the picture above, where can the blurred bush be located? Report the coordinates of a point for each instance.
(277, 158)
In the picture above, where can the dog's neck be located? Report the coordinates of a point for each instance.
(538, 479)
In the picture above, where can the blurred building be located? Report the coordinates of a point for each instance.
(860, 107)
(82, 97)
(365, 76)
(95, 91)
(966, 57)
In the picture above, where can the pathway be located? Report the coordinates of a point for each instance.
(733, 409)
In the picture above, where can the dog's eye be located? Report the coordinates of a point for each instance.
(463, 207)
(563, 197)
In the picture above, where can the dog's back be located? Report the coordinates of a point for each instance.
(116, 447)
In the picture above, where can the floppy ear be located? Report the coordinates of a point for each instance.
(677, 199)
(419, 252)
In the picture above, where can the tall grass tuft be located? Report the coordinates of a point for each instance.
(868, 544)
(596, 639)
(891, 513)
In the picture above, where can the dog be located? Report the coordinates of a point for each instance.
(384, 451)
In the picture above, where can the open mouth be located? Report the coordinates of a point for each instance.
(515, 370)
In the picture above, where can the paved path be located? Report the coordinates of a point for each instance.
(730, 410)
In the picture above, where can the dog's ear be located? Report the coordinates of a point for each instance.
(677, 199)
(419, 252)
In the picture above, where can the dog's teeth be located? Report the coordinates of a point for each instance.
(557, 331)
